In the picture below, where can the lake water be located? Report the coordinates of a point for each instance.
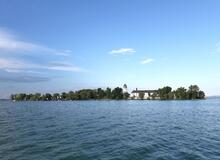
(110, 130)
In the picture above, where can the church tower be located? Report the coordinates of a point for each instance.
(125, 88)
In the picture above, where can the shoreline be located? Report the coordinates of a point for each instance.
(158, 100)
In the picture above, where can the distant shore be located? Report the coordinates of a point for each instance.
(165, 93)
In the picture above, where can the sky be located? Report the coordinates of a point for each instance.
(55, 46)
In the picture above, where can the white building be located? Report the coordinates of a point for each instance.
(143, 94)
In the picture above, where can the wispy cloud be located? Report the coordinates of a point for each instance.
(60, 63)
(123, 51)
(23, 71)
(9, 42)
(148, 60)
(63, 53)
(11, 64)
(64, 66)
(24, 79)
(17, 66)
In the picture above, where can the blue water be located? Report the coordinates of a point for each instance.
(110, 130)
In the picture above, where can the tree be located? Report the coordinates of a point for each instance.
(194, 88)
(63, 96)
(38, 96)
(56, 96)
(86, 94)
(68, 95)
(76, 96)
(13, 97)
(126, 95)
(43, 98)
(117, 93)
(141, 95)
(193, 92)
(48, 96)
(31, 97)
(20, 97)
(108, 93)
(154, 95)
(171, 95)
(181, 93)
(201, 95)
(164, 93)
(34, 97)
(100, 93)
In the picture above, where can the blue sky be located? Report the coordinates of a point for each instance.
(55, 46)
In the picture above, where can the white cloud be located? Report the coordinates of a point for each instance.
(24, 79)
(59, 63)
(26, 70)
(11, 64)
(64, 53)
(13, 70)
(22, 71)
(123, 51)
(68, 69)
(17, 66)
(64, 66)
(146, 61)
(10, 43)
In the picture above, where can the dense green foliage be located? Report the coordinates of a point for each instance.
(141, 95)
(181, 93)
(165, 93)
(117, 93)
(84, 94)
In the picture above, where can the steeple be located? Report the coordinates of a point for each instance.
(125, 88)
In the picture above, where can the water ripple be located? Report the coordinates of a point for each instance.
(110, 130)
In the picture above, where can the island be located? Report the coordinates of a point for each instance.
(166, 93)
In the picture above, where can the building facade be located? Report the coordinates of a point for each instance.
(144, 94)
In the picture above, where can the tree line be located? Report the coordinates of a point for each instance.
(181, 93)
(84, 94)
(165, 93)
